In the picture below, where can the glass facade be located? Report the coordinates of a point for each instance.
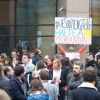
(27, 23)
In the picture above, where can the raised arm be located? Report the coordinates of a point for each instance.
(81, 49)
(61, 49)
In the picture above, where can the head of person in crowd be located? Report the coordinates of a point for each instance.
(46, 57)
(4, 95)
(89, 75)
(25, 58)
(71, 49)
(3, 56)
(91, 61)
(73, 61)
(37, 51)
(91, 57)
(40, 65)
(8, 71)
(19, 71)
(7, 62)
(31, 53)
(61, 55)
(14, 53)
(50, 63)
(87, 55)
(66, 61)
(15, 61)
(36, 86)
(57, 64)
(44, 75)
(77, 68)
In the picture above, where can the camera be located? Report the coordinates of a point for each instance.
(62, 9)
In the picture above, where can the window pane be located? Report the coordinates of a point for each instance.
(4, 30)
(96, 11)
(95, 45)
(7, 12)
(4, 44)
(35, 30)
(36, 11)
(96, 17)
(96, 30)
(4, 12)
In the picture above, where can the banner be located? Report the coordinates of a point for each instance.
(73, 30)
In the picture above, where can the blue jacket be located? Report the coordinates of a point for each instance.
(38, 97)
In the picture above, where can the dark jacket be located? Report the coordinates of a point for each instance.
(91, 63)
(98, 83)
(74, 82)
(36, 58)
(87, 92)
(17, 92)
(38, 97)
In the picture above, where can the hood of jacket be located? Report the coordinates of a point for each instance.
(38, 97)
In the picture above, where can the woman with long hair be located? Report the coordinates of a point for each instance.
(37, 91)
(58, 76)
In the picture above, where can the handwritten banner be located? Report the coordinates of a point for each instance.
(73, 30)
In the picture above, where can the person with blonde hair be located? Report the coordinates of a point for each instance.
(4, 81)
(58, 76)
(4, 95)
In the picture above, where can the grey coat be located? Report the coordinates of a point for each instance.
(52, 90)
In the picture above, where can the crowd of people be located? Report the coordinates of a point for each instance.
(32, 76)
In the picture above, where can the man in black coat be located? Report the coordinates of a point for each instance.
(18, 85)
